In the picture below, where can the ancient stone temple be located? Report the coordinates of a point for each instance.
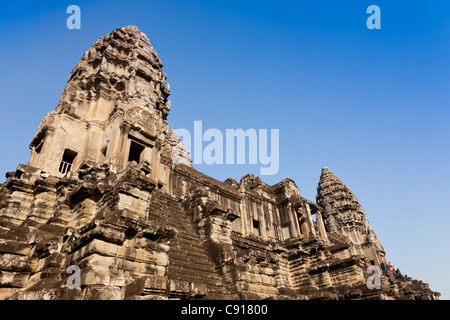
(102, 193)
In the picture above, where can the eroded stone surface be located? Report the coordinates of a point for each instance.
(109, 189)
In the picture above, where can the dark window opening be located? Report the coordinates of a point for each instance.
(103, 151)
(256, 227)
(67, 161)
(136, 150)
(18, 174)
(302, 224)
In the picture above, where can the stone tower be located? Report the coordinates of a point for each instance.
(113, 109)
(111, 191)
(343, 215)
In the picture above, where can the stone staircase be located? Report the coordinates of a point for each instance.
(188, 261)
(407, 288)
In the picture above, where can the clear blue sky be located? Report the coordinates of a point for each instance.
(372, 105)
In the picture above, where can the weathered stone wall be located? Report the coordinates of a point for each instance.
(131, 239)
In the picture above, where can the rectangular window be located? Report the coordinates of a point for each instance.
(256, 229)
(136, 151)
(286, 229)
(67, 161)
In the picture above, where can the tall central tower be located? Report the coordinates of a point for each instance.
(110, 190)
(113, 109)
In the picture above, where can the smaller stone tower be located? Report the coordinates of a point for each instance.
(343, 215)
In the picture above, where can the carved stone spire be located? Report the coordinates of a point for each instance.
(122, 67)
(342, 212)
(113, 109)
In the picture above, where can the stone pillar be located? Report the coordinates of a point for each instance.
(244, 213)
(309, 219)
(262, 220)
(294, 222)
(157, 173)
(322, 230)
(123, 146)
